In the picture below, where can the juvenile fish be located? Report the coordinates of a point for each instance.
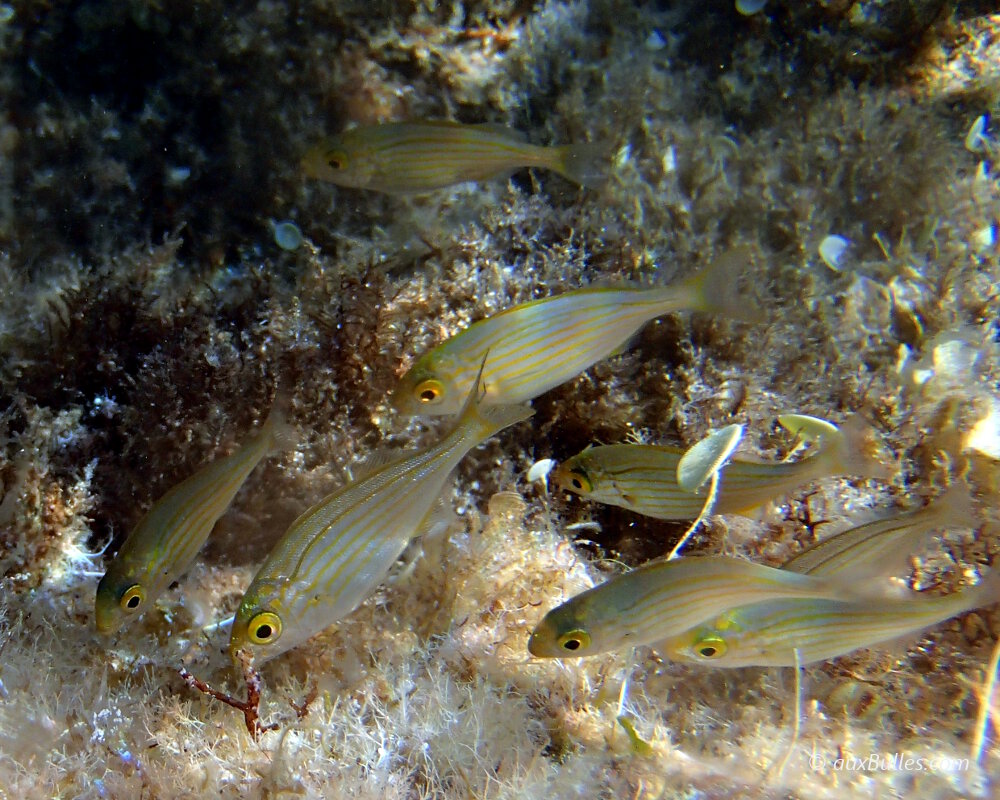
(664, 598)
(541, 344)
(167, 539)
(643, 478)
(335, 554)
(768, 634)
(413, 157)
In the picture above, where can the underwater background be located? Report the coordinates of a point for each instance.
(166, 267)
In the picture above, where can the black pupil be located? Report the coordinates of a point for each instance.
(708, 652)
(571, 644)
(577, 483)
(427, 395)
(264, 632)
(133, 601)
(335, 163)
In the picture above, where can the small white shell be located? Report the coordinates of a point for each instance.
(831, 250)
(287, 236)
(540, 470)
(177, 175)
(985, 237)
(974, 138)
(955, 360)
(750, 7)
(985, 435)
(655, 41)
(669, 160)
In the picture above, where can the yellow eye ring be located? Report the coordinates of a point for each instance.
(574, 641)
(579, 482)
(264, 628)
(429, 392)
(711, 647)
(132, 598)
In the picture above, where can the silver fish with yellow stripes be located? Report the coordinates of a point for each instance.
(413, 157)
(169, 536)
(768, 634)
(665, 598)
(335, 554)
(643, 478)
(541, 344)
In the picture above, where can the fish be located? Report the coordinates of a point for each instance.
(165, 542)
(870, 550)
(768, 634)
(334, 555)
(664, 598)
(420, 156)
(643, 477)
(538, 345)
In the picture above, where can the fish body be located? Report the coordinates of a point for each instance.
(767, 634)
(664, 598)
(865, 551)
(165, 542)
(414, 157)
(538, 345)
(643, 478)
(336, 553)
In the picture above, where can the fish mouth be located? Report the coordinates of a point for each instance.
(537, 648)
(105, 623)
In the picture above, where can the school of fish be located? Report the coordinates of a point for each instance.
(713, 610)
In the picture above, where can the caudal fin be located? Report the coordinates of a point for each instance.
(854, 449)
(716, 289)
(588, 164)
(283, 435)
(953, 508)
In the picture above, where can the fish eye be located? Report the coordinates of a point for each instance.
(264, 628)
(132, 598)
(429, 391)
(335, 160)
(711, 647)
(579, 481)
(574, 640)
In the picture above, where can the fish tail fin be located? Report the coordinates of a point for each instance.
(854, 449)
(953, 508)
(716, 288)
(587, 163)
(282, 433)
(484, 421)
